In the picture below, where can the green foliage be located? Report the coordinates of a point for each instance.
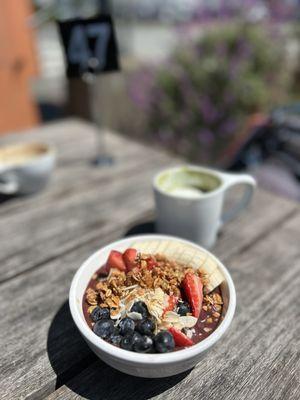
(199, 101)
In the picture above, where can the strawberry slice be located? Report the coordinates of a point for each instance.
(180, 339)
(115, 260)
(151, 263)
(129, 257)
(193, 288)
(171, 303)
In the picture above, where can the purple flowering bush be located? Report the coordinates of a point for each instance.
(199, 100)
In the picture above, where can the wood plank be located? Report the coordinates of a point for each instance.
(34, 315)
(265, 213)
(76, 140)
(66, 193)
(38, 307)
(39, 270)
(77, 189)
(259, 359)
(75, 143)
(85, 215)
(69, 179)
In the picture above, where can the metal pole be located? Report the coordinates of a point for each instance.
(105, 6)
(101, 158)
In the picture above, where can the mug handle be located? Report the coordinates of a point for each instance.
(238, 179)
(8, 184)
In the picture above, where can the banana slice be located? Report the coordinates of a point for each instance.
(185, 254)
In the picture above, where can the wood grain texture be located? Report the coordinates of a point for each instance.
(87, 197)
(258, 359)
(44, 239)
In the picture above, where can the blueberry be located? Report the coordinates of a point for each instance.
(130, 340)
(126, 343)
(115, 339)
(164, 342)
(136, 339)
(145, 326)
(183, 308)
(144, 344)
(104, 328)
(126, 326)
(100, 313)
(141, 308)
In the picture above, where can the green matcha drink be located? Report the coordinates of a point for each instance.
(186, 182)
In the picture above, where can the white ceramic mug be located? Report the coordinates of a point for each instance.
(25, 168)
(189, 201)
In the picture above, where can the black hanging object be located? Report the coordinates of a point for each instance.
(90, 45)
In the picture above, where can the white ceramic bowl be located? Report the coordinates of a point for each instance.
(144, 365)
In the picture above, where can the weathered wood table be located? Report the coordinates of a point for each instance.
(44, 239)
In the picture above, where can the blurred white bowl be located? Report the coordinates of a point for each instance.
(25, 168)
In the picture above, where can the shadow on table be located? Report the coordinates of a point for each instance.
(76, 367)
(149, 227)
(5, 198)
(141, 228)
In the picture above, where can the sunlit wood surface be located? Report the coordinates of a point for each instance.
(45, 238)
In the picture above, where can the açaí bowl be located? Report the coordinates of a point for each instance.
(145, 365)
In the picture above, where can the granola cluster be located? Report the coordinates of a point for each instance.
(112, 289)
(164, 274)
(213, 305)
